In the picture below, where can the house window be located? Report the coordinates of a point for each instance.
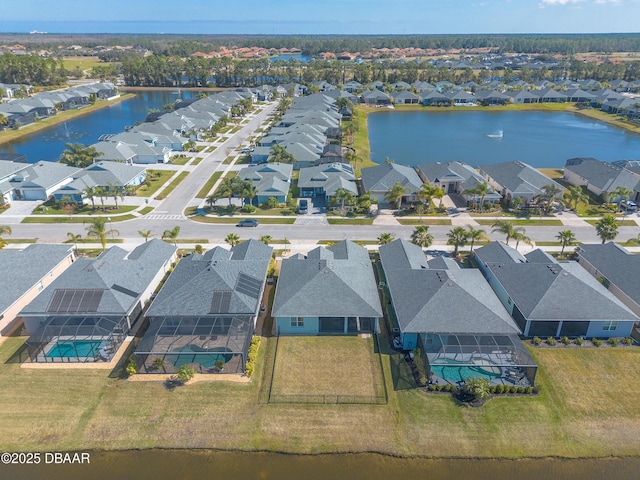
(297, 321)
(610, 326)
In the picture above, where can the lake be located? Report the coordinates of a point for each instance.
(48, 144)
(541, 139)
(193, 464)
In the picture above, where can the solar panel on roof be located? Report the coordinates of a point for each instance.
(248, 285)
(220, 301)
(75, 300)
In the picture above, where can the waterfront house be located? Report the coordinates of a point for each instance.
(405, 97)
(86, 313)
(547, 298)
(455, 177)
(39, 180)
(516, 180)
(25, 274)
(323, 181)
(600, 177)
(375, 97)
(205, 314)
(380, 179)
(329, 291)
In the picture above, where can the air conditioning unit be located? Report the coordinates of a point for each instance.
(382, 284)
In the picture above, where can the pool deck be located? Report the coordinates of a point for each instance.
(98, 365)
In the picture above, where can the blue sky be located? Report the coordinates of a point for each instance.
(321, 16)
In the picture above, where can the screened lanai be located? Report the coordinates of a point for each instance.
(77, 339)
(209, 344)
(501, 359)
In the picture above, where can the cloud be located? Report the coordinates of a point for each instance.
(544, 3)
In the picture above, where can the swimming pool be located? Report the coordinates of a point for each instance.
(75, 349)
(202, 356)
(461, 373)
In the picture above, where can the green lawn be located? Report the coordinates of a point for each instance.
(119, 218)
(160, 177)
(87, 210)
(228, 160)
(424, 221)
(197, 160)
(525, 222)
(171, 187)
(20, 240)
(206, 188)
(146, 210)
(179, 160)
(621, 223)
(349, 221)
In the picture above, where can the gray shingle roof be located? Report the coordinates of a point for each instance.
(329, 176)
(194, 283)
(440, 300)
(116, 271)
(331, 282)
(518, 177)
(382, 177)
(605, 176)
(27, 268)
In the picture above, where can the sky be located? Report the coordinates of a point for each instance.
(321, 16)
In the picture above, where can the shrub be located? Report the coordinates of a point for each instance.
(185, 373)
(596, 342)
(628, 341)
(520, 389)
(493, 389)
(579, 341)
(536, 341)
(249, 208)
(271, 202)
(219, 364)
(439, 388)
(431, 388)
(499, 388)
(613, 341)
(252, 355)
(477, 387)
(528, 390)
(131, 366)
(422, 380)
(565, 340)
(551, 341)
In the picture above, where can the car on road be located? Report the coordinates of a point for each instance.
(247, 222)
(247, 150)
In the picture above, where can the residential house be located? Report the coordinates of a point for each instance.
(323, 181)
(456, 177)
(405, 97)
(88, 311)
(517, 180)
(616, 268)
(330, 291)
(598, 176)
(271, 179)
(547, 298)
(206, 312)
(26, 273)
(380, 179)
(39, 180)
(375, 97)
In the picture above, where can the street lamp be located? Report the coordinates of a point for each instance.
(110, 228)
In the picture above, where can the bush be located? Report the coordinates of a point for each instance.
(528, 390)
(579, 341)
(536, 341)
(551, 341)
(249, 208)
(493, 389)
(477, 387)
(565, 340)
(185, 373)
(131, 366)
(500, 389)
(596, 342)
(628, 341)
(613, 342)
(271, 202)
(439, 388)
(520, 389)
(252, 355)
(431, 388)
(422, 380)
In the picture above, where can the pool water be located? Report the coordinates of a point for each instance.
(75, 349)
(206, 357)
(460, 374)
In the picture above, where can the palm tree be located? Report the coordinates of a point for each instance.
(458, 237)
(4, 121)
(75, 239)
(394, 195)
(439, 193)
(102, 193)
(426, 193)
(566, 237)
(232, 239)
(343, 196)
(266, 239)
(623, 194)
(519, 236)
(4, 230)
(548, 195)
(385, 238)
(471, 191)
(474, 235)
(482, 188)
(212, 199)
(172, 234)
(421, 236)
(97, 228)
(249, 191)
(77, 155)
(577, 195)
(504, 226)
(607, 228)
(146, 234)
(91, 194)
(116, 191)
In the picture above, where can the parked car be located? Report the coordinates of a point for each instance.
(628, 206)
(303, 207)
(248, 222)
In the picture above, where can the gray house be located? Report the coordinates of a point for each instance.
(330, 291)
(269, 179)
(551, 299)
(516, 179)
(325, 180)
(453, 316)
(87, 312)
(615, 268)
(39, 180)
(206, 312)
(455, 177)
(598, 177)
(379, 179)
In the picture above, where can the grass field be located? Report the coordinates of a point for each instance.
(349, 221)
(206, 188)
(119, 218)
(160, 178)
(621, 223)
(172, 186)
(332, 365)
(587, 408)
(424, 221)
(524, 223)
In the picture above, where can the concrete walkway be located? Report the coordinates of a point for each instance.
(385, 217)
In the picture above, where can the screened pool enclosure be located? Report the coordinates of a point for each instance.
(209, 344)
(501, 359)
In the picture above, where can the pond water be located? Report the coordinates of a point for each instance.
(48, 144)
(541, 139)
(190, 464)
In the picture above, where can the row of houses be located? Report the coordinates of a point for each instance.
(205, 313)
(24, 111)
(44, 180)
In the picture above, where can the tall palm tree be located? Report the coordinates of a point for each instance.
(212, 199)
(116, 191)
(4, 230)
(102, 193)
(475, 234)
(78, 155)
(232, 239)
(566, 238)
(75, 239)
(458, 237)
(426, 193)
(504, 226)
(473, 191)
(421, 236)
(394, 195)
(549, 193)
(146, 234)
(91, 194)
(623, 194)
(343, 196)
(439, 193)
(519, 236)
(266, 239)
(481, 189)
(607, 228)
(576, 195)
(172, 234)
(97, 228)
(385, 238)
